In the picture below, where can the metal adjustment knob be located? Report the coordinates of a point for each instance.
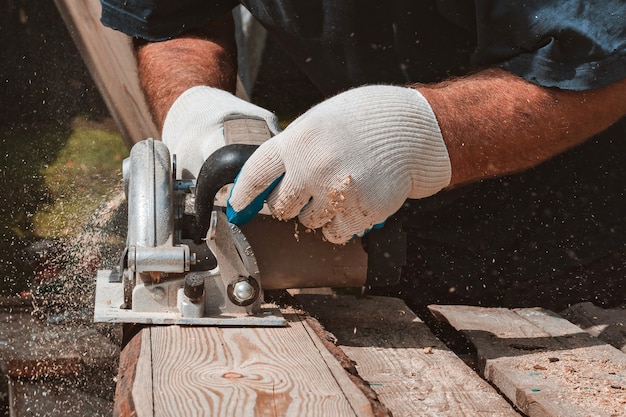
(194, 287)
(244, 291)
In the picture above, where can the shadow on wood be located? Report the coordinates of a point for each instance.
(413, 372)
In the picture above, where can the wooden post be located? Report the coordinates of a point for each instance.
(110, 58)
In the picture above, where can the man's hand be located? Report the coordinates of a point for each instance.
(194, 126)
(348, 163)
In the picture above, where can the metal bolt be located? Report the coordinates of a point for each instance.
(244, 291)
(158, 293)
(193, 258)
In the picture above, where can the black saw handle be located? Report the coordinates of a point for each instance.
(219, 169)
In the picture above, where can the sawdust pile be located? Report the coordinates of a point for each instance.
(586, 382)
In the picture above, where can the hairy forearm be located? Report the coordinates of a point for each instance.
(201, 57)
(495, 123)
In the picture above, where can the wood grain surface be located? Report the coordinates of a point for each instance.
(235, 372)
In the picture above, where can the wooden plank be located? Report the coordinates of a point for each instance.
(544, 364)
(110, 58)
(413, 373)
(606, 324)
(286, 371)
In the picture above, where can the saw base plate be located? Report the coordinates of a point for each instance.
(109, 308)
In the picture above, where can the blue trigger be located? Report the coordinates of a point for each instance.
(244, 216)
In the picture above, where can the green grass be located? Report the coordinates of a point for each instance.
(53, 178)
(84, 173)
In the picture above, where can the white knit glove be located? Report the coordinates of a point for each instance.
(348, 163)
(194, 126)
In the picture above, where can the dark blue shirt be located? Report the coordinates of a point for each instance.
(569, 44)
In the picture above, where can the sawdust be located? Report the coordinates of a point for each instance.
(62, 305)
(590, 383)
(69, 295)
(337, 198)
